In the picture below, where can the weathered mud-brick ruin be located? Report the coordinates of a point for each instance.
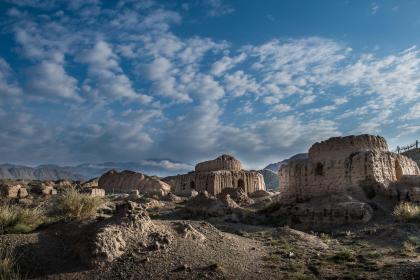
(359, 165)
(215, 175)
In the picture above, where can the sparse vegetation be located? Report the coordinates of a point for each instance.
(272, 258)
(16, 219)
(407, 212)
(344, 255)
(73, 205)
(7, 265)
(271, 207)
(411, 245)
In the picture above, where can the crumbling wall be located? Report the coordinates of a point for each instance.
(215, 181)
(339, 147)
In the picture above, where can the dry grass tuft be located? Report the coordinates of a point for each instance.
(407, 212)
(73, 205)
(16, 219)
(7, 264)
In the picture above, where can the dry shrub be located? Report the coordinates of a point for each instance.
(8, 269)
(16, 219)
(407, 212)
(73, 205)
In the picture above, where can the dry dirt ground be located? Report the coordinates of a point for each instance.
(216, 249)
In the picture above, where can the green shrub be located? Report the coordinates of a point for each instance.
(73, 205)
(407, 212)
(7, 265)
(16, 219)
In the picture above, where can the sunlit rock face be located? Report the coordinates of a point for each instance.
(215, 175)
(361, 165)
(127, 181)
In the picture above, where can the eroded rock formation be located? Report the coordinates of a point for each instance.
(127, 181)
(361, 165)
(215, 175)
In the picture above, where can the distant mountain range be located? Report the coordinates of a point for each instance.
(276, 166)
(160, 167)
(270, 172)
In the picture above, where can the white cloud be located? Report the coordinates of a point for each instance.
(308, 99)
(280, 108)
(109, 78)
(374, 7)
(226, 63)
(218, 8)
(240, 83)
(413, 113)
(50, 80)
(8, 84)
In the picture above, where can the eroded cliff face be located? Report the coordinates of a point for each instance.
(126, 181)
(354, 164)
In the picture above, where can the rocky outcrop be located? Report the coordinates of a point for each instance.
(126, 181)
(92, 183)
(360, 165)
(224, 162)
(10, 191)
(97, 192)
(43, 188)
(63, 184)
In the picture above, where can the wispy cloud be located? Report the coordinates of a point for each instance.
(127, 86)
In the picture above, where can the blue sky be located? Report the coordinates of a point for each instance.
(94, 81)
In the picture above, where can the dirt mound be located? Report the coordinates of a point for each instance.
(107, 240)
(295, 236)
(205, 205)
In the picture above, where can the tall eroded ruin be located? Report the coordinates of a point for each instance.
(360, 165)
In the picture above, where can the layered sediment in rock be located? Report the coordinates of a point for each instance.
(127, 181)
(354, 164)
(211, 177)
